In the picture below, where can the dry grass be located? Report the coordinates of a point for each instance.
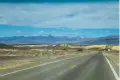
(70, 46)
(13, 64)
(12, 58)
(96, 46)
(31, 45)
(116, 48)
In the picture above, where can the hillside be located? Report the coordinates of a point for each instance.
(102, 40)
(58, 40)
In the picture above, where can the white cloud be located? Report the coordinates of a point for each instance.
(19, 32)
(87, 15)
(41, 31)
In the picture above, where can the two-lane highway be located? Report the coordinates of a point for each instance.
(88, 67)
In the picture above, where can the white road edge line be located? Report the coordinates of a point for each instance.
(114, 72)
(35, 66)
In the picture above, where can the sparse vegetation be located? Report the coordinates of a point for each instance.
(23, 54)
(80, 49)
(102, 47)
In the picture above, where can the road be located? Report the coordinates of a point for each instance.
(88, 67)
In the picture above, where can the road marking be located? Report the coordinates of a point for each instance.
(74, 66)
(62, 72)
(52, 67)
(114, 72)
(47, 69)
(35, 66)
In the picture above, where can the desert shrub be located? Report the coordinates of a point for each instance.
(95, 48)
(80, 49)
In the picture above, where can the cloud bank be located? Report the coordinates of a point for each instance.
(73, 15)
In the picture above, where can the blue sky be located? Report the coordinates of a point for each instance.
(92, 19)
(55, 1)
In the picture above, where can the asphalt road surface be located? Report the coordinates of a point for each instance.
(92, 67)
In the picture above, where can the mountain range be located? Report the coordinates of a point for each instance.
(114, 39)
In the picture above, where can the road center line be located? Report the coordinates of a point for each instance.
(52, 68)
(35, 66)
(114, 72)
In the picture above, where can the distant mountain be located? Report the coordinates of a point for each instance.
(38, 39)
(5, 46)
(59, 39)
(114, 40)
